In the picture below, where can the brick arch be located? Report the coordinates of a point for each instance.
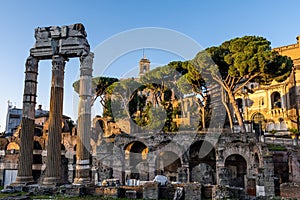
(237, 167)
(171, 147)
(123, 143)
(200, 140)
(257, 150)
(136, 147)
(169, 161)
(243, 151)
(127, 144)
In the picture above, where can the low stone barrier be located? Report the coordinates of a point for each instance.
(130, 194)
(227, 192)
(114, 192)
(150, 190)
(192, 191)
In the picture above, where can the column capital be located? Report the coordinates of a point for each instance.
(87, 61)
(32, 64)
(89, 55)
(58, 67)
(58, 62)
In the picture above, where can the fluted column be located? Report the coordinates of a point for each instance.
(27, 130)
(53, 165)
(82, 176)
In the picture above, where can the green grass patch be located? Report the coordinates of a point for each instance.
(4, 195)
(276, 147)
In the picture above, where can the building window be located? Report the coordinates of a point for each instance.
(276, 100)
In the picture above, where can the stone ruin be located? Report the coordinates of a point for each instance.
(237, 165)
(58, 44)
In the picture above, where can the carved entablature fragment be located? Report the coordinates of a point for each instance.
(68, 41)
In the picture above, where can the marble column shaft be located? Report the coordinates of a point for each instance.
(83, 167)
(28, 116)
(53, 169)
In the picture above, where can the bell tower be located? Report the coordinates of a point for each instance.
(144, 65)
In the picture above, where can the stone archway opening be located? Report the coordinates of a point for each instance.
(256, 158)
(256, 162)
(136, 156)
(167, 164)
(13, 146)
(203, 162)
(237, 168)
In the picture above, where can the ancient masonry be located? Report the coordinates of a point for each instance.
(215, 164)
(58, 44)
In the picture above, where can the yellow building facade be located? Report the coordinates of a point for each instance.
(274, 107)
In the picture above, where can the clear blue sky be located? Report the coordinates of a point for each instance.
(207, 22)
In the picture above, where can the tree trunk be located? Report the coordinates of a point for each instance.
(203, 117)
(236, 111)
(227, 110)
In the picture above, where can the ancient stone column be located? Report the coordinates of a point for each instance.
(82, 176)
(53, 168)
(27, 131)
